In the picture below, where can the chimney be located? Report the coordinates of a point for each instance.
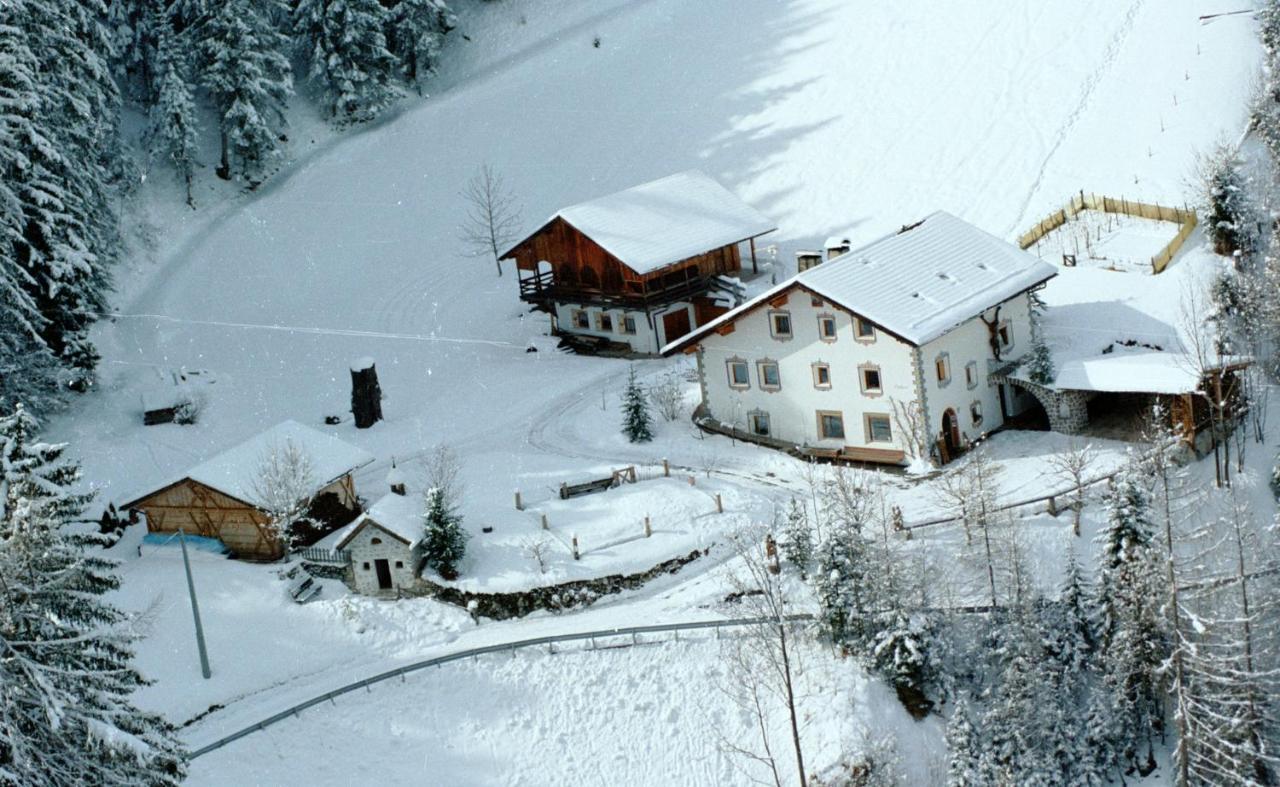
(837, 246)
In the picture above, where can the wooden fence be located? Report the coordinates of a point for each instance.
(1146, 210)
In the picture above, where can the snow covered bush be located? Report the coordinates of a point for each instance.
(283, 487)
(797, 538)
(1230, 215)
(667, 396)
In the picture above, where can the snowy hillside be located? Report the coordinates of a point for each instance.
(826, 116)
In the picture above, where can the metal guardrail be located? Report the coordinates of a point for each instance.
(503, 647)
(1071, 490)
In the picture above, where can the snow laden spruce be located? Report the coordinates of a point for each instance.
(65, 677)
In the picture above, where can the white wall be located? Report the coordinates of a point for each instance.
(793, 409)
(971, 342)
(364, 551)
(644, 340)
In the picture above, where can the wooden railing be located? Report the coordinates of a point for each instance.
(543, 287)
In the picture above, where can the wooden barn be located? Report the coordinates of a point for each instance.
(640, 268)
(218, 498)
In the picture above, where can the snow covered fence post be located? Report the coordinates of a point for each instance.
(544, 522)
(666, 469)
(366, 395)
(576, 556)
(519, 502)
(719, 504)
(648, 531)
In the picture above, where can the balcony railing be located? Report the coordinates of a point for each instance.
(542, 288)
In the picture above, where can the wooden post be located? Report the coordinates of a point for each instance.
(754, 267)
(666, 469)
(519, 502)
(564, 491)
(544, 522)
(771, 554)
(576, 556)
(719, 504)
(366, 395)
(648, 531)
(692, 482)
(1053, 506)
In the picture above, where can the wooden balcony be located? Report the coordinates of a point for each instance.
(542, 289)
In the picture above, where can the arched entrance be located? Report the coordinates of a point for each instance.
(950, 433)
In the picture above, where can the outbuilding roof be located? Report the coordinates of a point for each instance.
(917, 283)
(400, 515)
(235, 471)
(662, 222)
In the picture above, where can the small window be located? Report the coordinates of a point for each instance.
(604, 322)
(815, 302)
(830, 425)
(865, 330)
(770, 378)
(975, 413)
(879, 428)
(870, 377)
(1005, 333)
(971, 374)
(821, 376)
(366, 566)
(758, 422)
(780, 325)
(628, 324)
(581, 320)
(739, 375)
(827, 328)
(375, 541)
(399, 564)
(942, 368)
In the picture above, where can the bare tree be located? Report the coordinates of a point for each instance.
(493, 216)
(908, 418)
(443, 467)
(538, 550)
(667, 395)
(1073, 465)
(283, 487)
(972, 492)
(763, 662)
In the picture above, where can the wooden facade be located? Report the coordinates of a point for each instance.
(201, 510)
(560, 263)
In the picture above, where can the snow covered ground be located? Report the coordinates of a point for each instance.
(1111, 241)
(827, 116)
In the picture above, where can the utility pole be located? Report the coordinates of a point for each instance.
(195, 608)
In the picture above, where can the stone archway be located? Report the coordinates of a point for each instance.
(1068, 411)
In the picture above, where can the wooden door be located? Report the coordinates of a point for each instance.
(675, 325)
(951, 432)
(384, 573)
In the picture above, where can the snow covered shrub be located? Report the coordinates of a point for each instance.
(1275, 479)
(667, 396)
(797, 538)
(636, 423)
(900, 653)
(189, 408)
(1040, 366)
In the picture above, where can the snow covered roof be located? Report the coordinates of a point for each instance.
(917, 283)
(235, 470)
(658, 223)
(400, 515)
(1146, 371)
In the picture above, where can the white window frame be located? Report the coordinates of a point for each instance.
(760, 375)
(729, 364)
(867, 418)
(773, 325)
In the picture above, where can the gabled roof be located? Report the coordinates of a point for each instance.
(662, 222)
(234, 472)
(917, 283)
(399, 515)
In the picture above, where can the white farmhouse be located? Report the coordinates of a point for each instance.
(881, 354)
(385, 546)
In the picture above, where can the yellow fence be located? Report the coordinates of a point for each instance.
(1146, 210)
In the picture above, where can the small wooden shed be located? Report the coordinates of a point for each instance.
(217, 498)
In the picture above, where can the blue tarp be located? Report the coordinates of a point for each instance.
(193, 542)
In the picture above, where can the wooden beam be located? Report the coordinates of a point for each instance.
(754, 267)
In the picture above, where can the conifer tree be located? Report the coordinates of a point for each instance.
(797, 544)
(173, 131)
(249, 79)
(1132, 641)
(1229, 213)
(841, 582)
(1040, 366)
(65, 679)
(964, 748)
(444, 540)
(637, 425)
(347, 51)
(415, 35)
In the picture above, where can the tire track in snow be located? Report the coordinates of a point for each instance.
(1109, 57)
